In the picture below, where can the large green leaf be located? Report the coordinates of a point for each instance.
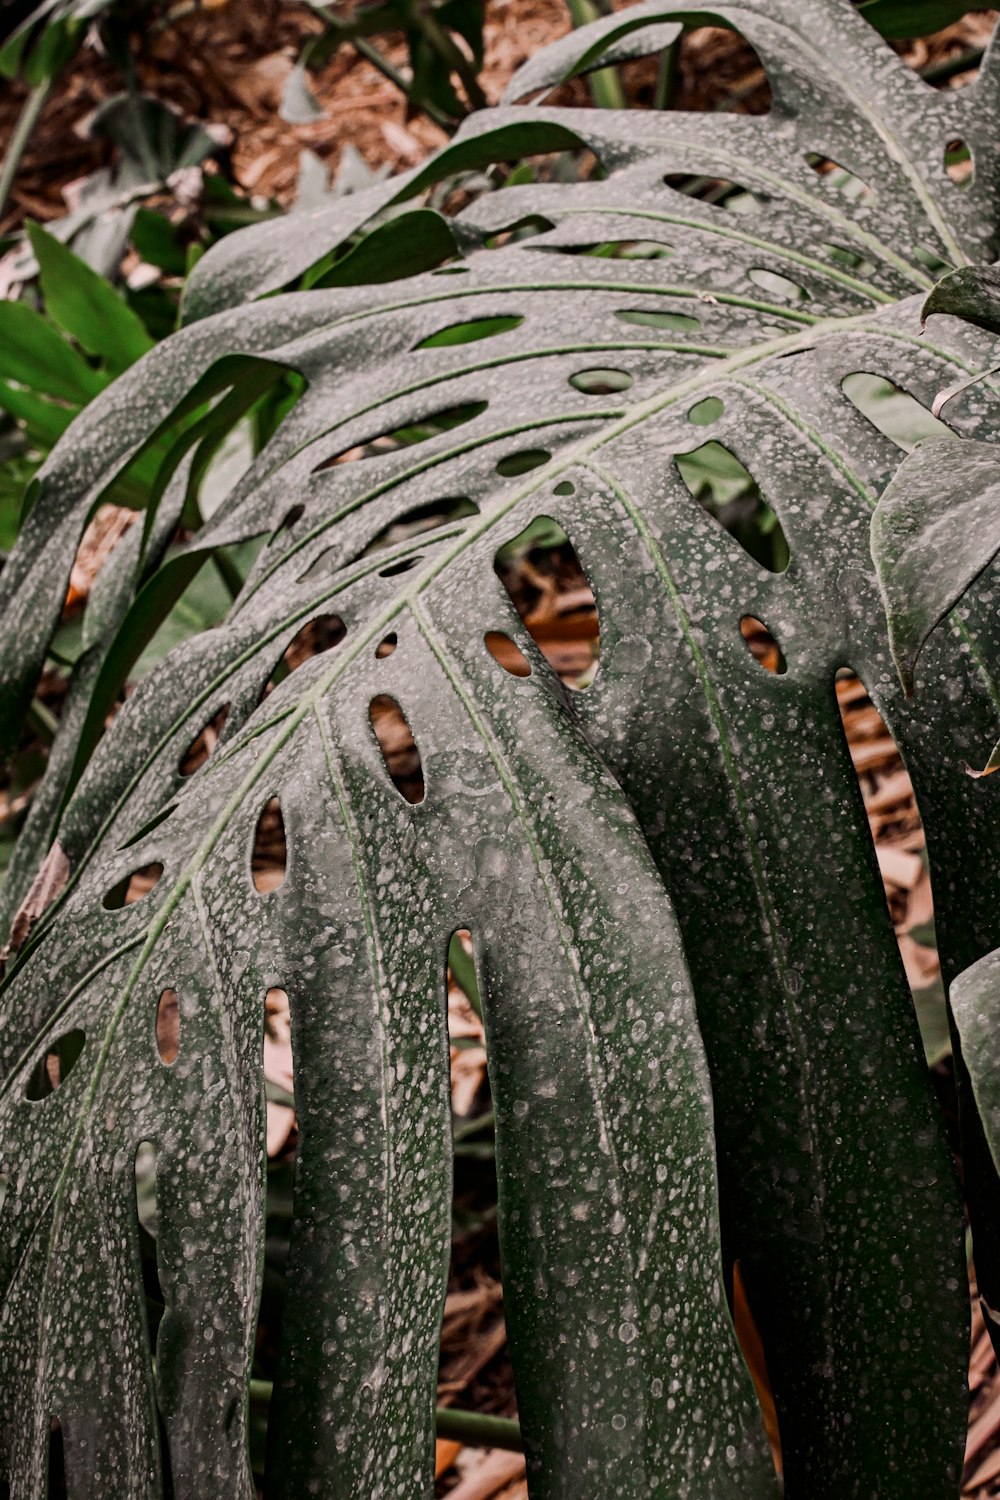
(559, 828)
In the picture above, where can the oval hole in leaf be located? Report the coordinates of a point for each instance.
(564, 487)
(403, 566)
(318, 635)
(623, 250)
(418, 430)
(762, 645)
(898, 416)
(513, 464)
(776, 285)
(528, 227)
(269, 855)
(724, 488)
(290, 519)
(675, 322)
(279, 1073)
(704, 413)
(548, 587)
(133, 887)
(54, 1066)
(890, 804)
(398, 747)
(600, 382)
(958, 163)
(753, 1352)
(386, 646)
(849, 260)
(145, 1186)
(201, 747)
(470, 333)
(168, 1027)
(508, 653)
(57, 1479)
(414, 522)
(720, 192)
(840, 179)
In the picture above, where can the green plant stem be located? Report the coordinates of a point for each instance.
(605, 85)
(453, 55)
(43, 721)
(27, 120)
(469, 1427)
(477, 1431)
(666, 77)
(949, 67)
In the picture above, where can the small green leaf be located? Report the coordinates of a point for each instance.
(86, 306)
(36, 356)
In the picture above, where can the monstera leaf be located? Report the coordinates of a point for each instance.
(936, 530)
(560, 351)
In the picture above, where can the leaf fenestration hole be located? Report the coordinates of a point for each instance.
(57, 1480)
(279, 1074)
(144, 1168)
(720, 192)
(601, 382)
(705, 412)
(849, 259)
(403, 566)
(839, 178)
(150, 824)
(418, 430)
(513, 464)
(132, 887)
(320, 634)
(898, 416)
(728, 492)
(508, 653)
(398, 747)
(762, 645)
(413, 522)
(671, 321)
(564, 487)
(204, 742)
(54, 1066)
(753, 1352)
(471, 332)
(959, 163)
(546, 583)
(168, 1027)
(269, 856)
(475, 1256)
(776, 285)
(290, 519)
(895, 826)
(386, 646)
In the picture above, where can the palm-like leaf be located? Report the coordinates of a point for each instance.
(557, 828)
